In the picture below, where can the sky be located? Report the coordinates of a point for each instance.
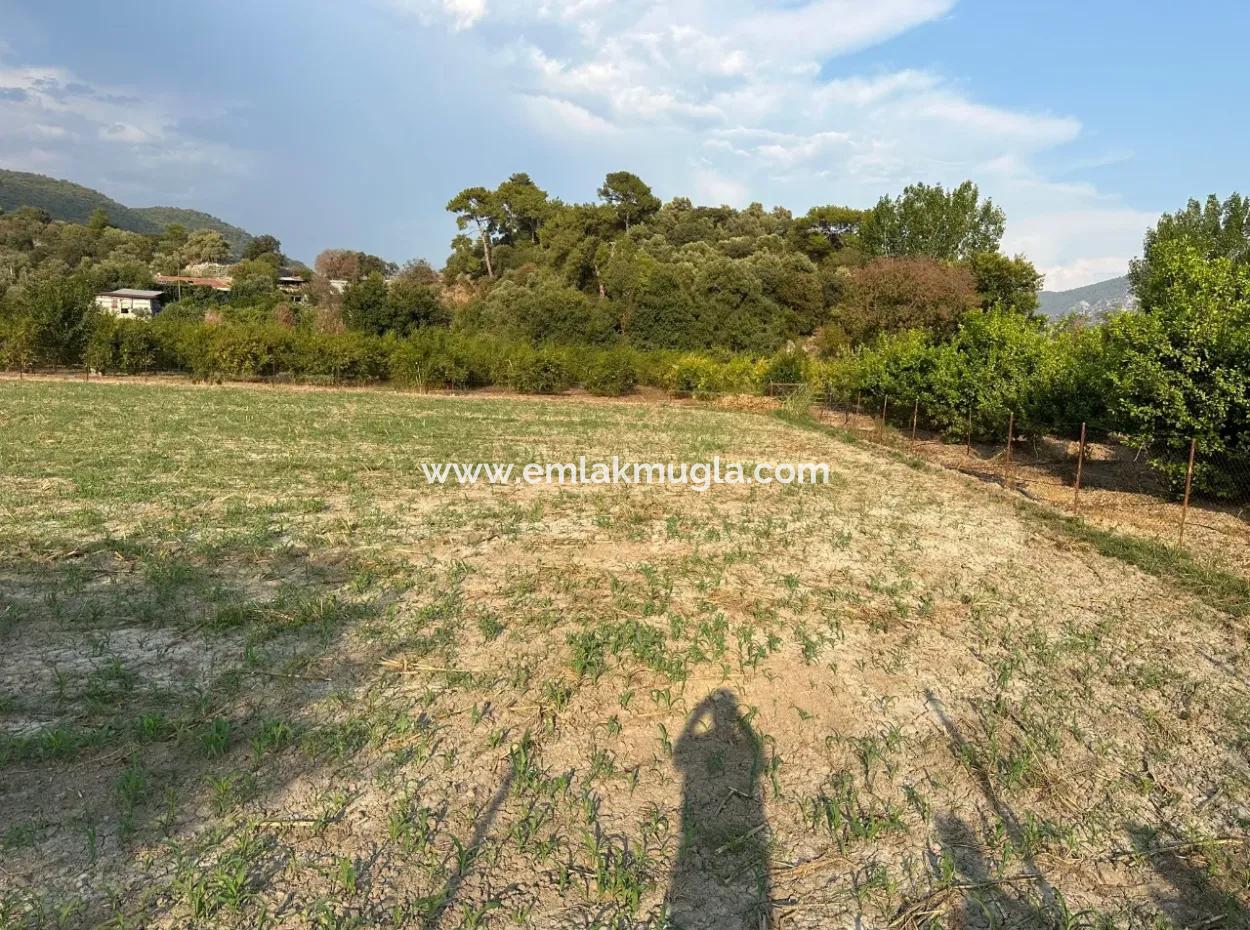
(350, 125)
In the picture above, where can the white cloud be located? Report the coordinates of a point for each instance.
(54, 120)
(563, 117)
(748, 97)
(1080, 246)
(458, 14)
(712, 187)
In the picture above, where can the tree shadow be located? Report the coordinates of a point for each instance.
(721, 878)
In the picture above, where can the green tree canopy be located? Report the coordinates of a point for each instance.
(1214, 229)
(930, 221)
(629, 197)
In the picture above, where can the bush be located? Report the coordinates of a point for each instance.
(538, 371)
(789, 367)
(695, 375)
(435, 358)
(125, 346)
(612, 374)
(893, 294)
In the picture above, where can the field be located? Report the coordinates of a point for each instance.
(255, 673)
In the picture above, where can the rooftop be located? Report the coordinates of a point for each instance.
(133, 293)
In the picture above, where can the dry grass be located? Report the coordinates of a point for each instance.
(258, 674)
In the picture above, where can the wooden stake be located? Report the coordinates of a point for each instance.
(1011, 428)
(1189, 485)
(968, 451)
(885, 403)
(915, 415)
(1080, 463)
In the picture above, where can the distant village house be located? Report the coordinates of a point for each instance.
(131, 303)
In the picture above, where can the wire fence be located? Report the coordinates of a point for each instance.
(1179, 494)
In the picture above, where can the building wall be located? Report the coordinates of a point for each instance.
(129, 307)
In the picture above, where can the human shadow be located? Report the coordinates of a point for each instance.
(720, 879)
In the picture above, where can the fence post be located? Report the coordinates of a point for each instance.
(1011, 428)
(885, 404)
(915, 415)
(1080, 463)
(968, 451)
(1189, 485)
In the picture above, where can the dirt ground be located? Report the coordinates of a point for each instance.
(257, 673)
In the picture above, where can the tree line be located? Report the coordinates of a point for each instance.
(911, 299)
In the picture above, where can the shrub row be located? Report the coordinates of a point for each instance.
(431, 358)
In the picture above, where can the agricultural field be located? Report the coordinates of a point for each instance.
(254, 672)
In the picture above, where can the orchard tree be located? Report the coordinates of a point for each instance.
(927, 220)
(1181, 367)
(629, 197)
(1213, 229)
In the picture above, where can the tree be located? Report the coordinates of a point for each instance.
(927, 220)
(347, 265)
(253, 280)
(99, 220)
(477, 205)
(54, 315)
(262, 245)
(825, 230)
(629, 197)
(1181, 367)
(1214, 229)
(1008, 283)
(364, 304)
(521, 206)
(204, 246)
(890, 294)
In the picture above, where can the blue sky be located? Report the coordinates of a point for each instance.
(351, 124)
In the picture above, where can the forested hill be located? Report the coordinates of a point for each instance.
(1092, 300)
(73, 203)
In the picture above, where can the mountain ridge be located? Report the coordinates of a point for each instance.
(74, 203)
(1093, 300)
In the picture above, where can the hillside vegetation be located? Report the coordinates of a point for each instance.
(73, 203)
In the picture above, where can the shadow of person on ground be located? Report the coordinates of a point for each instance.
(720, 879)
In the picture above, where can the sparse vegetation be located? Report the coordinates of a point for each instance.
(256, 673)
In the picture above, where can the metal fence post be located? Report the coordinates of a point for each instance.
(915, 415)
(1189, 485)
(1080, 463)
(885, 404)
(968, 451)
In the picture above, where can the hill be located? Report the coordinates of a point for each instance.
(74, 203)
(193, 220)
(1092, 300)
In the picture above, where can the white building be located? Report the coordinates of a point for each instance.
(130, 303)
